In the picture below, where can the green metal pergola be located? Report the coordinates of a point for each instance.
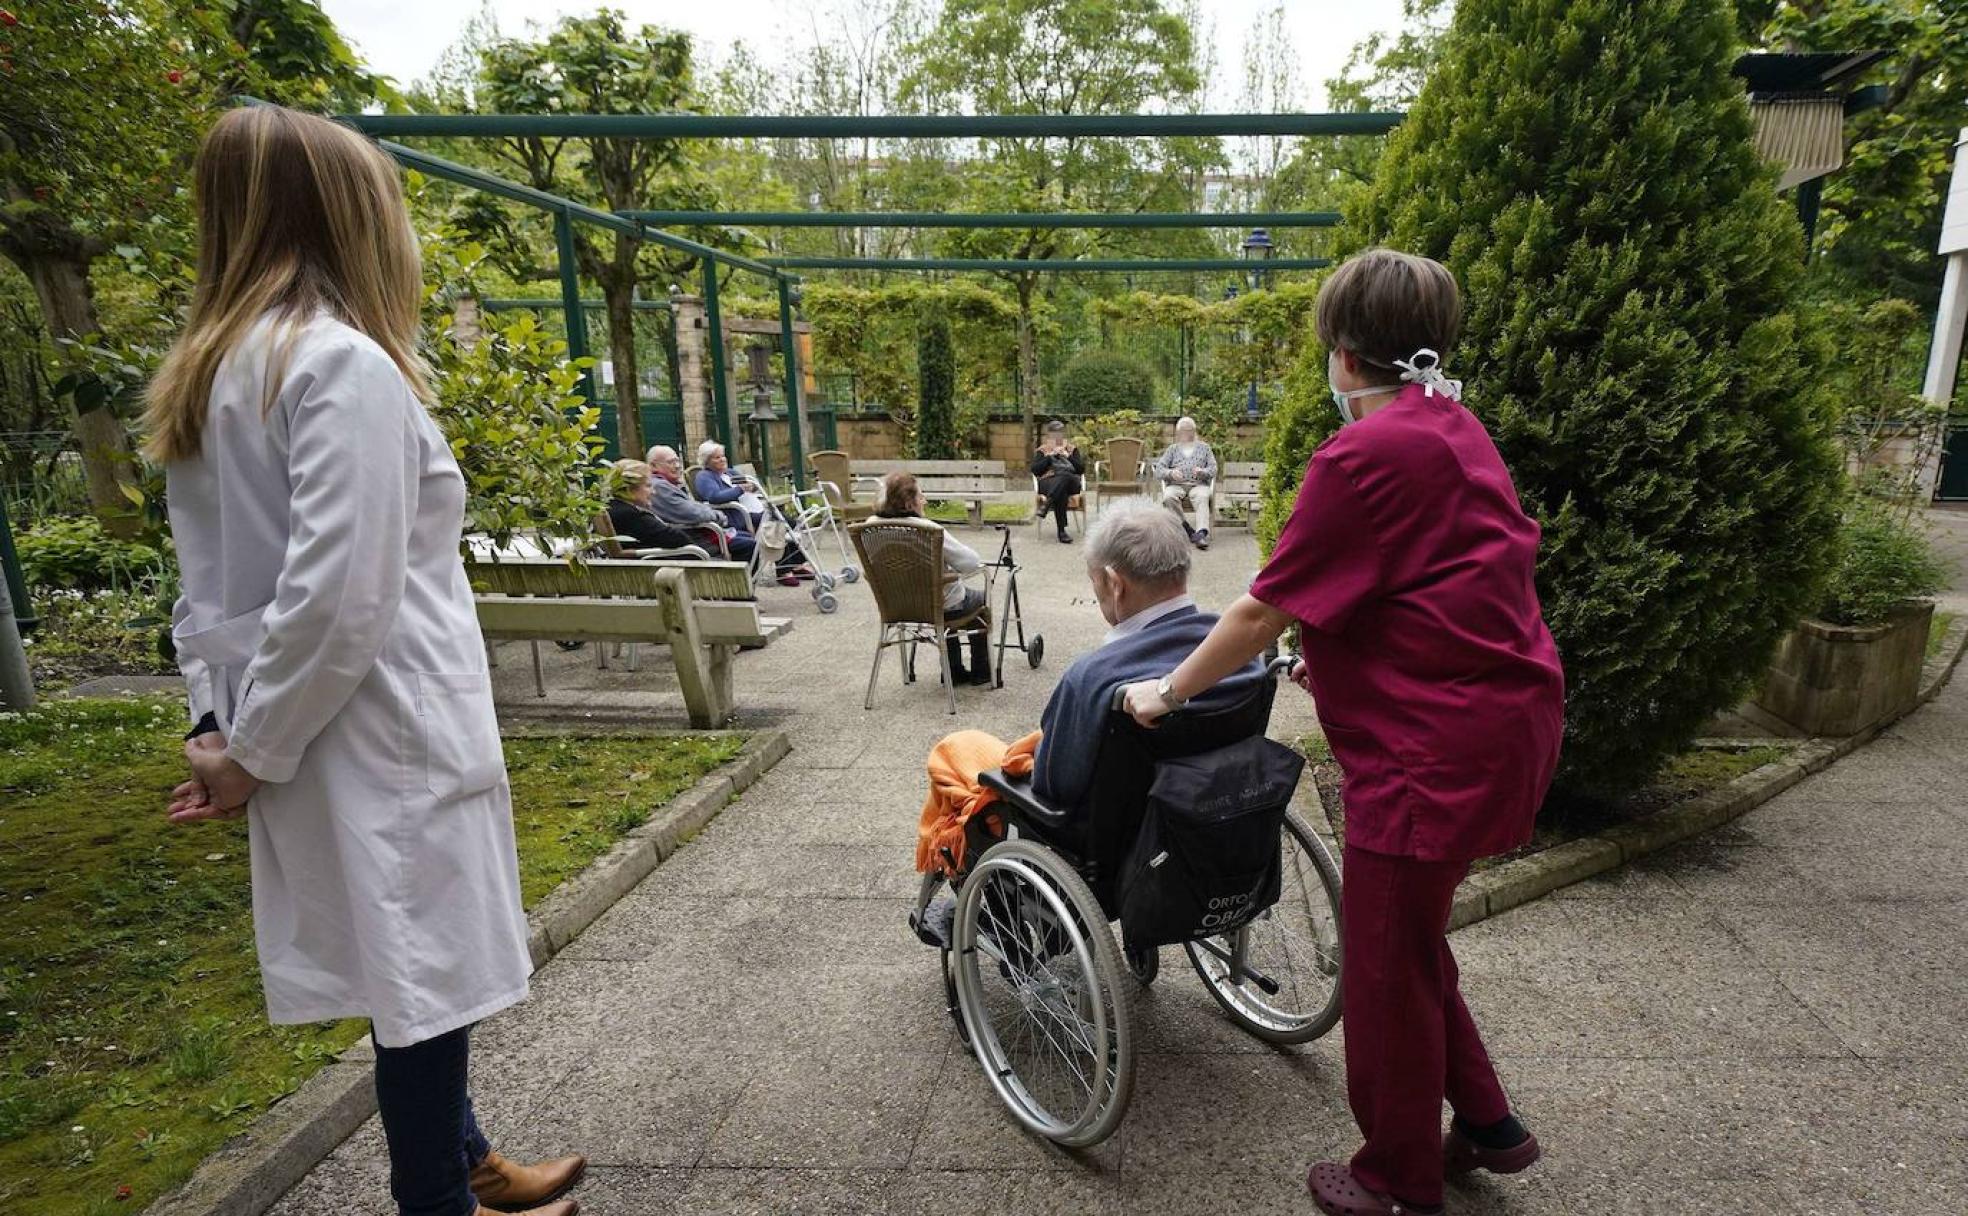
(643, 225)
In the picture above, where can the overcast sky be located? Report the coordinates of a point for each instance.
(403, 38)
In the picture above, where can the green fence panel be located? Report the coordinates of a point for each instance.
(662, 422)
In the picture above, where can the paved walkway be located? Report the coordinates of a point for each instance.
(1773, 1019)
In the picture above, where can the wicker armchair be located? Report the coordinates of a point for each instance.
(1122, 472)
(902, 560)
(835, 476)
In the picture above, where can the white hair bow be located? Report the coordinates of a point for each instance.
(1424, 367)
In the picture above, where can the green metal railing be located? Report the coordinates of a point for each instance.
(1052, 265)
(878, 126)
(997, 219)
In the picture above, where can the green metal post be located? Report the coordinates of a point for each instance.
(714, 320)
(16, 577)
(570, 305)
(796, 416)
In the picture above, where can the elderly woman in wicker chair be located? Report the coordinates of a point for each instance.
(902, 498)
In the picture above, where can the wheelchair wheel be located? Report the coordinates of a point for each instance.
(1035, 650)
(1145, 964)
(1039, 987)
(1291, 950)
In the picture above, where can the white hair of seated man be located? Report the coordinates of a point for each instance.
(1137, 556)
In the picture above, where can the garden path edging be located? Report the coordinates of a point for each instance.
(250, 1172)
(1500, 888)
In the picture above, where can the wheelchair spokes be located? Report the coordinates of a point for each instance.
(1038, 990)
(1278, 976)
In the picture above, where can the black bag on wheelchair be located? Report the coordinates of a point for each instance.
(1206, 860)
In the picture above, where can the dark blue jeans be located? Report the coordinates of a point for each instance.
(433, 1136)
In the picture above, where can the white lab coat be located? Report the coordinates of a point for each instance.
(327, 622)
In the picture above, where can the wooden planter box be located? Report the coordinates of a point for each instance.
(1841, 679)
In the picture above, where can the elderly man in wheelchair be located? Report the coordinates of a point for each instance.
(1181, 833)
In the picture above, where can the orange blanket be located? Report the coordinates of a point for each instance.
(955, 793)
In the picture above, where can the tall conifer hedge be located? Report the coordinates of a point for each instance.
(1585, 169)
(936, 371)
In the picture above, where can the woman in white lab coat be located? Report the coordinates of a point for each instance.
(327, 634)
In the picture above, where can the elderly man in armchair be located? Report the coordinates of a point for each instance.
(1138, 564)
(1187, 470)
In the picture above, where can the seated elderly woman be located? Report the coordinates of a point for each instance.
(714, 483)
(1138, 564)
(630, 515)
(902, 498)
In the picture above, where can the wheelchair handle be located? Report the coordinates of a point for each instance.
(1281, 665)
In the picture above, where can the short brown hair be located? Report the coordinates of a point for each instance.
(898, 496)
(1384, 305)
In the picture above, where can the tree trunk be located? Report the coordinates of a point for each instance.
(618, 292)
(61, 281)
(1028, 358)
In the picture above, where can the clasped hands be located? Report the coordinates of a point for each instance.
(219, 788)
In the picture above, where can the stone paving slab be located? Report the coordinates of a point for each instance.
(1768, 1019)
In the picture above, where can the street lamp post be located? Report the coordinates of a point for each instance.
(1257, 250)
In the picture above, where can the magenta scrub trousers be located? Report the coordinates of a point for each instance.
(1410, 1041)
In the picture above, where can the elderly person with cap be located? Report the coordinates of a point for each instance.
(1060, 470)
(1187, 469)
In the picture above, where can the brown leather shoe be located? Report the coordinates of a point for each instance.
(507, 1186)
(559, 1207)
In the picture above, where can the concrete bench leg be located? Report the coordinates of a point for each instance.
(977, 512)
(539, 672)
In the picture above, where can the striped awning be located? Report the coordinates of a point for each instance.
(1803, 134)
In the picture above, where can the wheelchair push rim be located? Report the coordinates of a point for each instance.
(1039, 992)
(1294, 944)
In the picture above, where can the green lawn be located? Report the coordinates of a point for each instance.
(954, 512)
(131, 1023)
(1937, 632)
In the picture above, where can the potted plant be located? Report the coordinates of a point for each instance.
(1857, 662)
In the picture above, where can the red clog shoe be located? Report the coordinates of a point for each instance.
(1339, 1193)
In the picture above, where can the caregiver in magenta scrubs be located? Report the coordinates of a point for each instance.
(1408, 565)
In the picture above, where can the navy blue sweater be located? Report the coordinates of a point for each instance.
(1076, 715)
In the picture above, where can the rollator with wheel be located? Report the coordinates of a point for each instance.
(1032, 971)
(807, 517)
(1011, 615)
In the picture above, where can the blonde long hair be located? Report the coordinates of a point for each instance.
(296, 215)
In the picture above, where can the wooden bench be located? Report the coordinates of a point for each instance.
(972, 481)
(701, 610)
(1237, 483)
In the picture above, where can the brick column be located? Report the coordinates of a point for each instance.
(693, 369)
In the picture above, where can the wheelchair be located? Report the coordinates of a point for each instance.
(1032, 970)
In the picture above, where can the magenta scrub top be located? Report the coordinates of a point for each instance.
(1410, 564)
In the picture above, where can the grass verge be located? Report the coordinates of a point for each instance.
(131, 1021)
(1937, 632)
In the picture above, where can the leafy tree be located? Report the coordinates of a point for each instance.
(1881, 216)
(936, 375)
(97, 118)
(103, 105)
(1062, 57)
(1586, 170)
(597, 65)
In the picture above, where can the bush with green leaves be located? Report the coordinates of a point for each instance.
(1586, 170)
(526, 440)
(75, 553)
(936, 383)
(1103, 381)
(1884, 563)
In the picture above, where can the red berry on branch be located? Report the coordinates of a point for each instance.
(174, 76)
(40, 194)
(7, 18)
